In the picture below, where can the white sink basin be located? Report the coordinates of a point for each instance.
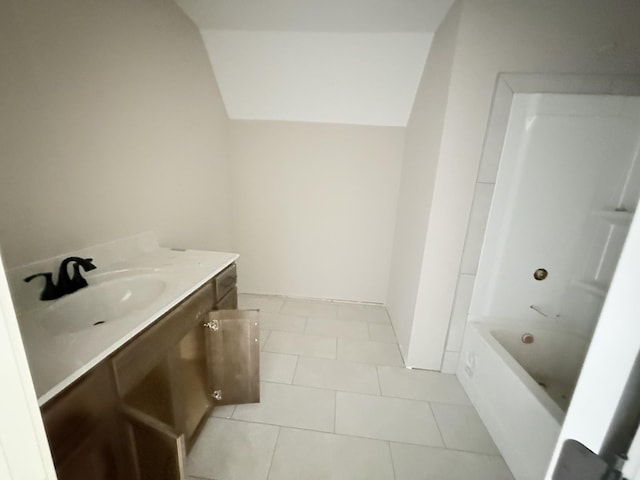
(96, 305)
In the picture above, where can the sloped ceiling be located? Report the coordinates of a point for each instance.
(330, 61)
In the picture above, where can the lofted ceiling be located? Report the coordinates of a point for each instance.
(329, 61)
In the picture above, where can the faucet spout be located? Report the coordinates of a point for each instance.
(68, 284)
(50, 292)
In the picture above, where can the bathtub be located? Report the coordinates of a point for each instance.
(521, 390)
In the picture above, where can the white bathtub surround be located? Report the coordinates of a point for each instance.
(567, 188)
(485, 186)
(569, 164)
(342, 419)
(56, 359)
(551, 357)
(523, 420)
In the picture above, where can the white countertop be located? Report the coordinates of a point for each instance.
(56, 360)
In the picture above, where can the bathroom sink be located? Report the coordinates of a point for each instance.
(97, 305)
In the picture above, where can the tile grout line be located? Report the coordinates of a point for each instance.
(374, 395)
(393, 464)
(335, 412)
(295, 369)
(435, 419)
(265, 340)
(376, 439)
(273, 454)
(459, 450)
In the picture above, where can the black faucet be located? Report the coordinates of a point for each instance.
(66, 284)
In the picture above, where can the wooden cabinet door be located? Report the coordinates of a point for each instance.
(85, 430)
(233, 351)
(191, 380)
(159, 451)
(95, 452)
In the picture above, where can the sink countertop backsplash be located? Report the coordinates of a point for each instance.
(56, 360)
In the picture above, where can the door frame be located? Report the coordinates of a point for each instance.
(24, 450)
(611, 355)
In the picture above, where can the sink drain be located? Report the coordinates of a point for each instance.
(98, 323)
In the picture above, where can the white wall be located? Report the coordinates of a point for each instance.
(318, 15)
(111, 124)
(328, 61)
(421, 152)
(499, 36)
(314, 207)
(354, 78)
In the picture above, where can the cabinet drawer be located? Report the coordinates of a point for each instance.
(225, 281)
(144, 353)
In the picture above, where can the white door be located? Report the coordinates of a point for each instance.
(613, 350)
(24, 451)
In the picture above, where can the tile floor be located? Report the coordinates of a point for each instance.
(337, 404)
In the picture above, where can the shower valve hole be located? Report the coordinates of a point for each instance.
(540, 274)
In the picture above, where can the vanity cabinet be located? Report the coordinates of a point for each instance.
(164, 383)
(85, 430)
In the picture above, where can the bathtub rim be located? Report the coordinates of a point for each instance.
(484, 329)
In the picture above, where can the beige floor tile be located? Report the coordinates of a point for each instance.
(363, 312)
(223, 411)
(414, 462)
(379, 332)
(462, 429)
(337, 375)
(230, 450)
(291, 406)
(283, 322)
(264, 303)
(299, 344)
(277, 367)
(324, 366)
(336, 328)
(369, 352)
(384, 418)
(421, 385)
(310, 308)
(306, 455)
